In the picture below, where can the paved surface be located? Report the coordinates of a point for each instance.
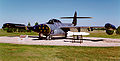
(88, 41)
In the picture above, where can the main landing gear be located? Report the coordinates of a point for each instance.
(48, 37)
(65, 35)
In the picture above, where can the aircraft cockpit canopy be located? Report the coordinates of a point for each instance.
(52, 21)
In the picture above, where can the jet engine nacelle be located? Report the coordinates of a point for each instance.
(109, 28)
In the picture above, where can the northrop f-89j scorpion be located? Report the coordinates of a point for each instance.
(56, 27)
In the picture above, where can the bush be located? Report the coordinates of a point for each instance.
(21, 30)
(5, 29)
(10, 30)
(118, 30)
(15, 30)
(109, 32)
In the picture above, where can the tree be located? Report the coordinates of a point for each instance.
(29, 24)
(118, 30)
(36, 23)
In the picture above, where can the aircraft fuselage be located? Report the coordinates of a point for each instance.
(51, 28)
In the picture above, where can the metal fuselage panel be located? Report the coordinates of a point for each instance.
(56, 30)
(51, 29)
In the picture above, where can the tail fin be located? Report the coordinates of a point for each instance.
(74, 18)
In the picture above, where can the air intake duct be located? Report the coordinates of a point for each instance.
(109, 28)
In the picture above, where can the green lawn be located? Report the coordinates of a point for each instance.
(14, 52)
(102, 34)
(4, 33)
(92, 34)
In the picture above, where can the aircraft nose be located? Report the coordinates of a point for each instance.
(42, 28)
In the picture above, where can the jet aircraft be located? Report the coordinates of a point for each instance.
(56, 27)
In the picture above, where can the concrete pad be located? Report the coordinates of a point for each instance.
(87, 41)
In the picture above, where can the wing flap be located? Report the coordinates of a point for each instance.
(82, 27)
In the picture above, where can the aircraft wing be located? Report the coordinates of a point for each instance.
(67, 28)
(82, 27)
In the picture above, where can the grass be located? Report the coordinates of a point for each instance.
(4, 33)
(15, 52)
(103, 34)
(92, 34)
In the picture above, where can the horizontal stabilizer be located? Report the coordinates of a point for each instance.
(73, 17)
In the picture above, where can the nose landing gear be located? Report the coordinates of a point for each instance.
(48, 37)
(40, 36)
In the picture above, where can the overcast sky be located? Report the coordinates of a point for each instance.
(24, 11)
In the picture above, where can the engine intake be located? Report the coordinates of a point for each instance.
(109, 28)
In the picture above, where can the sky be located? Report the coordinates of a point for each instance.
(41, 11)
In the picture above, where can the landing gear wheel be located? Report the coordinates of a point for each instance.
(40, 36)
(48, 37)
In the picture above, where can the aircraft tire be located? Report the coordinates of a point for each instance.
(48, 37)
(40, 36)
